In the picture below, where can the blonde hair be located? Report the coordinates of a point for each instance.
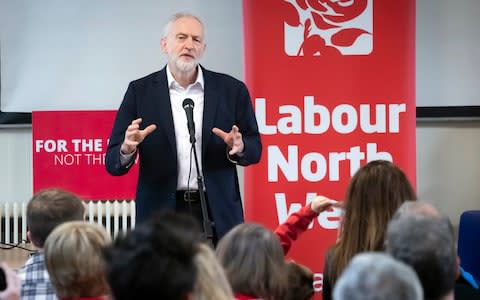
(73, 257)
(211, 282)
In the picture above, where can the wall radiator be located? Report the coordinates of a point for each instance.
(115, 215)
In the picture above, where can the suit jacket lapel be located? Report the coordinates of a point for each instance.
(164, 112)
(211, 98)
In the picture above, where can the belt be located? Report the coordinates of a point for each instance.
(188, 196)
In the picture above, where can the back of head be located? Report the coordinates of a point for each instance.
(50, 208)
(426, 244)
(155, 260)
(373, 195)
(377, 276)
(73, 257)
(253, 261)
(300, 282)
(416, 208)
(211, 283)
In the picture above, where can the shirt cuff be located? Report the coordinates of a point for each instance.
(127, 159)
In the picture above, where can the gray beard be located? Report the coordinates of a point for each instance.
(185, 67)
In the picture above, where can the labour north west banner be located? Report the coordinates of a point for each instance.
(333, 84)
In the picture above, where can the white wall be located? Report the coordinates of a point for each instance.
(16, 182)
(448, 165)
(447, 53)
(52, 50)
(447, 74)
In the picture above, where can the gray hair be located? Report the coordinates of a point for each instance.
(254, 262)
(179, 15)
(427, 244)
(416, 208)
(375, 275)
(422, 209)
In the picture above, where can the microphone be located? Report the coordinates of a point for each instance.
(188, 107)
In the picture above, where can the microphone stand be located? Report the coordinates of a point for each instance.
(207, 223)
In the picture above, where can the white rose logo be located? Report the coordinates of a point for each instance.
(328, 27)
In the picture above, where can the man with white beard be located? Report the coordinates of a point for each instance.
(152, 123)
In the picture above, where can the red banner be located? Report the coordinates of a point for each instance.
(333, 84)
(69, 152)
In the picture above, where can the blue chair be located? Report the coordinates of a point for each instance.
(469, 242)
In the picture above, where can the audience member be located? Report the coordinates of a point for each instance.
(374, 193)
(416, 208)
(156, 260)
(254, 262)
(426, 244)
(465, 287)
(300, 282)
(10, 289)
(211, 282)
(377, 276)
(299, 221)
(73, 257)
(46, 210)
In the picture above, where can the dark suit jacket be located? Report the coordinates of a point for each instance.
(226, 102)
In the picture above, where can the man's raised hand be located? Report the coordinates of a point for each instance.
(134, 136)
(233, 139)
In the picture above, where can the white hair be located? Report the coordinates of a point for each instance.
(375, 275)
(179, 15)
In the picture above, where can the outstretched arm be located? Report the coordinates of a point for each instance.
(298, 222)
